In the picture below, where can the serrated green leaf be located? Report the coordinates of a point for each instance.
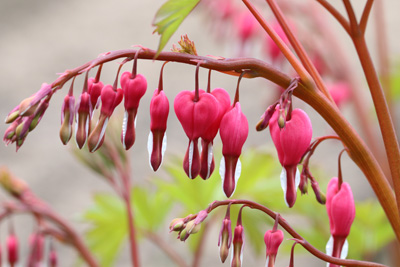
(109, 228)
(168, 18)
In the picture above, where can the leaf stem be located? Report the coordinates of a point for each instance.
(339, 17)
(365, 15)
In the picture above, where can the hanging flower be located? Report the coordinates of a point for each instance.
(291, 143)
(341, 212)
(234, 130)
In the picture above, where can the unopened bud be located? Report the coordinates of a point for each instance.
(183, 235)
(282, 118)
(25, 107)
(225, 239)
(303, 186)
(192, 227)
(12, 249)
(12, 116)
(321, 198)
(264, 121)
(177, 225)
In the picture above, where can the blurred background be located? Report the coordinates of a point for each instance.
(42, 38)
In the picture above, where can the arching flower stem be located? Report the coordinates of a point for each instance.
(285, 225)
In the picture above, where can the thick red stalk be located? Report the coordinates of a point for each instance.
(298, 48)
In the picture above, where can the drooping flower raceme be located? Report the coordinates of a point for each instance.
(207, 156)
(234, 130)
(291, 143)
(195, 116)
(341, 212)
(157, 142)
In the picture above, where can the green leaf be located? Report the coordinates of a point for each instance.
(109, 228)
(169, 17)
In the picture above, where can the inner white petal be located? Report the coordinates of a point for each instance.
(164, 146)
(124, 127)
(150, 147)
(329, 248)
(209, 159)
(191, 148)
(103, 130)
(222, 171)
(267, 262)
(284, 184)
(345, 250)
(297, 178)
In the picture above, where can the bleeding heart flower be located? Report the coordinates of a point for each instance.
(157, 142)
(207, 156)
(272, 239)
(134, 87)
(341, 212)
(110, 99)
(196, 114)
(291, 143)
(234, 130)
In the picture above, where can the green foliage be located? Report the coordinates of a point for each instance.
(168, 18)
(109, 227)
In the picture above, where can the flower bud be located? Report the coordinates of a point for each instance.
(341, 212)
(12, 249)
(67, 118)
(110, 99)
(225, 239)
(291, 143)
(272, 239)
(238, 244)
(207, 156)
(177, 225)
(94, 90)
(233, 131)
(36, 243)
(83, 111)
(195, 116)
(13, 115)
(134, 87)
(157, 142)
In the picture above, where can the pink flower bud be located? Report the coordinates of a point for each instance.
(207, 156)
(134, 88)
(195, 116)
(94, 90)
(67, 118)
(246, 25)
(273, 240)
(238, 244)
(157, 142)
(82, 117)
(341, 212)
(12, 249)
(36, 243)
(234, 130)
(340, 92)
(225, 239)
(291, 143)
(110, 99)
(28, 106)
